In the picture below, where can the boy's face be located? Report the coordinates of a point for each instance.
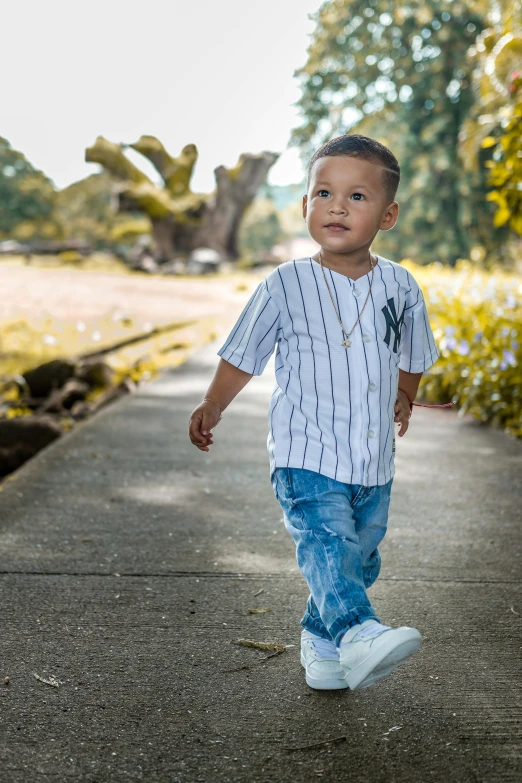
(348, 192)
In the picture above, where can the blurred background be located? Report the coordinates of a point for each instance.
(152, 168)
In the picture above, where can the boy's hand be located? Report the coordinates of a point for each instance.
(202, 420)
(402, 412)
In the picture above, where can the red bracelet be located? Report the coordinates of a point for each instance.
(421, 405)
(408, 398)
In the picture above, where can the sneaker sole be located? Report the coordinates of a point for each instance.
(334, 684)
(381, 664)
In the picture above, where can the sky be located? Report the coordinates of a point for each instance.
(216, 74)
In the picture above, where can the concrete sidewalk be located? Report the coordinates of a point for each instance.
(129, 561)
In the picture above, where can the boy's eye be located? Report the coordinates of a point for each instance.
(327, 192)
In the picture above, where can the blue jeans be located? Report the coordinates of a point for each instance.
(336, 528)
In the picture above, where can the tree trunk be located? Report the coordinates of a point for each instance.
(236, 189)
(163, 231)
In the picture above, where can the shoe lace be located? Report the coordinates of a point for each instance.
(371, 630)
(325, 648)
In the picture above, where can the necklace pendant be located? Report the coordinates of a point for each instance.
(346, 343)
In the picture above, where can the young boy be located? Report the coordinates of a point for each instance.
(353, 340)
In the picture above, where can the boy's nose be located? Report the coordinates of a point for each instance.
(337, 209)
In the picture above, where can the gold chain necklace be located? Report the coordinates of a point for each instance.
(346, 343)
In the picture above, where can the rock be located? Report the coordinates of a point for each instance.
(147, 264)
(47, 377)
(22, 438)
(95, 373)
(80, 410)
(73, 391)
(203, 260)
(204, 255)
(176, 266)
(12, 247)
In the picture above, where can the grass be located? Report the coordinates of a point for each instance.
(97, 262)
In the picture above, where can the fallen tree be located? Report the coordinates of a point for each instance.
(44, 402)
(50, 395)
(183, 221)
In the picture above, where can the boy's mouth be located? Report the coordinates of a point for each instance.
(336, 227)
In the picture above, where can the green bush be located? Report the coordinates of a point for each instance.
(476, 321)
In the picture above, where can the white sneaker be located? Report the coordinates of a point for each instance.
(370, 651)
(320, 659)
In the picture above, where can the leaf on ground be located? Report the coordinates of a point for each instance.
(260, 610)
(52, 681)
(266, 646)
(393, 728)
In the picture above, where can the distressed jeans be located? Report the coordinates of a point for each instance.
(337, 528)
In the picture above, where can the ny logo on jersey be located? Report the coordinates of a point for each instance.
(393, 324)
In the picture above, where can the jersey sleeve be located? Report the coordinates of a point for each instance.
(252, 341)
(419, 350)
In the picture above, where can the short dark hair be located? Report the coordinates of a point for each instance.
(353, 145)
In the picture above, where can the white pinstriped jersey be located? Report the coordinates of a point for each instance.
(332, 407)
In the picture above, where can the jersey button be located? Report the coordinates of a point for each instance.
(372, 387)
(366, 338)
(356, 292)
(371, 434)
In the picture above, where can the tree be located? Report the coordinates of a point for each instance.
(260, 229)
(401, 74)
(85, 210)
(26, 197)
(495, 122)
(182, 220)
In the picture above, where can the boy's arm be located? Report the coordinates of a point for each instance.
(408, 382)
(226, 384)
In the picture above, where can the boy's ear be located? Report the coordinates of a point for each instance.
(305, 202)
(390, 216)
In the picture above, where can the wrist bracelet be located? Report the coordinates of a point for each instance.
(423, 405)
(208, 399)
(408, 398)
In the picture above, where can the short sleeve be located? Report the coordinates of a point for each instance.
(418, 350)
(252, 341)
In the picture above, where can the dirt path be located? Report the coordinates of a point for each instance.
(87, 296)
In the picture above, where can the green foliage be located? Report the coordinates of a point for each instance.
(31, 208)
(506, 172)
(287, 201)
(495, 120)
(26, 196)
(477, 324)
(260, 228)
(128, 230)
(282, 196)
(292, 221)
(84, 209)
(402, 75)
